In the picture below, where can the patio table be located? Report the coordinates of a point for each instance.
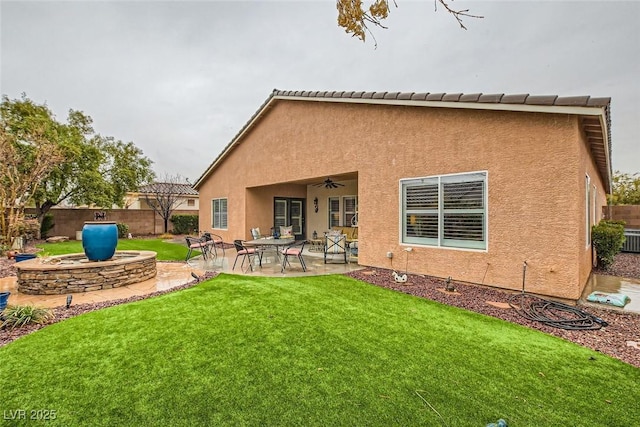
(268, 242)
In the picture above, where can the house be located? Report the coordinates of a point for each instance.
(474, 184)
(181, 196)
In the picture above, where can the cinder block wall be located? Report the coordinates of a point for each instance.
(627, 213)
(140, 221)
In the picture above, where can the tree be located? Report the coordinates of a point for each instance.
(626, 189)
(353, 17)
(94, 170)
(27, 158)
(166, 196)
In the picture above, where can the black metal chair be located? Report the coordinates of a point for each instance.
(197, 244)
(335, 244)
(246, 253)
(293, 250)
(214, 240)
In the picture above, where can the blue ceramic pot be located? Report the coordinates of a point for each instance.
(99, 240)
(24, 257)
(4, 298)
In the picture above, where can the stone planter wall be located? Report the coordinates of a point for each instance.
(73, 273)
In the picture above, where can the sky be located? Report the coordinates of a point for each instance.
(179, 78)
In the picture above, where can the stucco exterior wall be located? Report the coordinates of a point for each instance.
(597, 200)
(532, 162)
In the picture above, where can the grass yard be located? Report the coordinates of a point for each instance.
(310, 351)
(167, 251)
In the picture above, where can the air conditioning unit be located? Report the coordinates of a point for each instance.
(632, 241)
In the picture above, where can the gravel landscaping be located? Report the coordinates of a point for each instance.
(618, 339)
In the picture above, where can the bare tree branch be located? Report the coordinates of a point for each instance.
(355, 19)
(166, 195)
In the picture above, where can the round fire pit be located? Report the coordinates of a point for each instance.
(64, 274)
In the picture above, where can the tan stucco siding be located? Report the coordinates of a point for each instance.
(588, 168)
(532, 160)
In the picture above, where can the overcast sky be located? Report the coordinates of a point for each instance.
(181, 78)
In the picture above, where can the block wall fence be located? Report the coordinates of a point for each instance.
(627, 213)
(140, 221)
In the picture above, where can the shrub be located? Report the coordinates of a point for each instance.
(46, 226)
(15, 316)
(184, 224)
(123, 230)
(27, 227)
(608, 238)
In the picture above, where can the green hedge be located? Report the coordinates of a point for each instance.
(46, 225)
(608, 238)
(184, 224)
(123, 230)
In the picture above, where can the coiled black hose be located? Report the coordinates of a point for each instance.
(553, 313)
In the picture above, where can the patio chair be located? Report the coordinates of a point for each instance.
(293, 250)
(335, 244)
(197, 243)
(255, 233)
(246, 253)
(214, 240)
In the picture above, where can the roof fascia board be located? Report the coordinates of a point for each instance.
(605, 135)
(556, 109)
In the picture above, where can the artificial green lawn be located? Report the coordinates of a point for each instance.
(167, 251)
(310, 351)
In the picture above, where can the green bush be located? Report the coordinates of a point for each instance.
(608, 238)
(123, 230)
(46, 226)
(184, 224)
(15, 316)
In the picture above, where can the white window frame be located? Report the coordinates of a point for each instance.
(588, 209)
(439, 211)
(221, 216)
(342, 211)
(345, 212)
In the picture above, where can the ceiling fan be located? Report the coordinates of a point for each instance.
(328, 183)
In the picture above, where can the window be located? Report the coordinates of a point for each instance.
(191, 202)
(219, 213)
(350, 210)
(334, 212)
(446, 210)
(342, 210)
(590, 208)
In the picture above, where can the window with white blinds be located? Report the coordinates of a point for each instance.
(342, 211)
(334, 212)
(350, 209)
(219, 213)
(447, 210)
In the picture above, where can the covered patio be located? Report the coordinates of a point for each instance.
(272, 264)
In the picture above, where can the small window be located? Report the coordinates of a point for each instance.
(191, 202)
(588, 210)
(350, 204)
(334, 212)
(446, 210)
(219, 213)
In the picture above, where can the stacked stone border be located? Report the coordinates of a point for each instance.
(64, 274)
